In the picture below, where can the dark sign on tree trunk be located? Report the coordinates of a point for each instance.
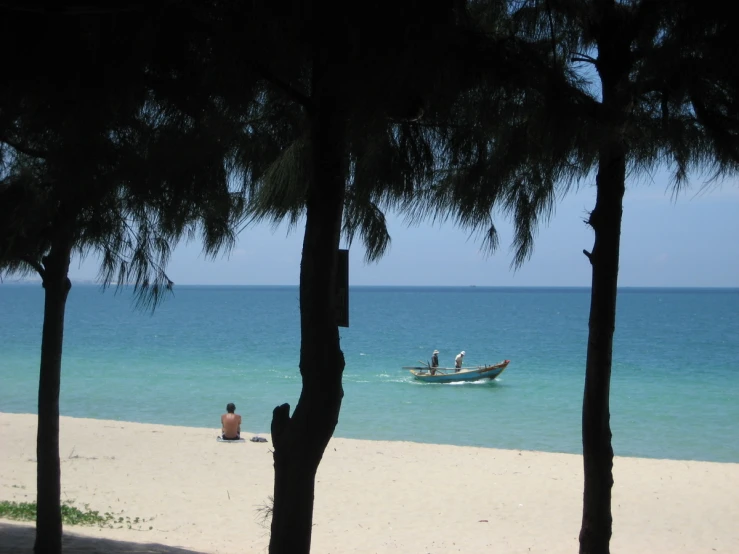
(342, 289)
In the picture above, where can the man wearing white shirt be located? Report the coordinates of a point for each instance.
(458, 361)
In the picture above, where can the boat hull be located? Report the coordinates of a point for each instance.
(448, 375)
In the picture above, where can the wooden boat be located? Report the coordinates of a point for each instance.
(451, 375)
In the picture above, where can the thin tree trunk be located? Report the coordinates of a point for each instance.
(595, 534)
(301, 440)
(614, 65)
(48, 474)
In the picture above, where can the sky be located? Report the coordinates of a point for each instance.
(686, 241)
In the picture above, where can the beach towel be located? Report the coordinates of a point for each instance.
(221, 439)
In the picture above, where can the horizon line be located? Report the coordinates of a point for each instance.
(88, 282)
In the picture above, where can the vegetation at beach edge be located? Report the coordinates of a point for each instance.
(71, 515)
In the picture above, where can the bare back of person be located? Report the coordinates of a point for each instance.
(231, 424)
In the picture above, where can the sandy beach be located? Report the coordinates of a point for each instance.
(193, 494)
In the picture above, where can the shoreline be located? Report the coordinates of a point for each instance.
(371, 496)
(338, 437)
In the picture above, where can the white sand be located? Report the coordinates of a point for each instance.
(371, 496)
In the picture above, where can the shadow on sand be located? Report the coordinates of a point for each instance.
(18, 539)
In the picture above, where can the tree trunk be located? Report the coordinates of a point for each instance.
(48, 474)
(595, 534)
(300, 440)
(613, 65)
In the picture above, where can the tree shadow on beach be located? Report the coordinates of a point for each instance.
(18, 539)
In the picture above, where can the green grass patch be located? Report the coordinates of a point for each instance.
(21, 511)
(71, 515)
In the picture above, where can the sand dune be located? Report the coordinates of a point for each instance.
(200, 496)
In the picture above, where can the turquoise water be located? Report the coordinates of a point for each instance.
(674, 392)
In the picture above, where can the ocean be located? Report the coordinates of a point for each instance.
(674, 388)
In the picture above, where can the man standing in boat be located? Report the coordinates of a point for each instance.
(458, 361)
(435, 359)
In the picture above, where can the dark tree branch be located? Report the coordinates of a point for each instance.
(415, 118)
(285, 87)
(586, 59)
(35, 265)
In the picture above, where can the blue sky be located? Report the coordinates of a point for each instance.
(688, 241)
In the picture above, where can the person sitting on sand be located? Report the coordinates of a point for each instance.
(231, 424)
(458, 361)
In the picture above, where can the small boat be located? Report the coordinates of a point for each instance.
(451, 375)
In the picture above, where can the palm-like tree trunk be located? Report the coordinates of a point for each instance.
(48, 477)
(300, 440)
